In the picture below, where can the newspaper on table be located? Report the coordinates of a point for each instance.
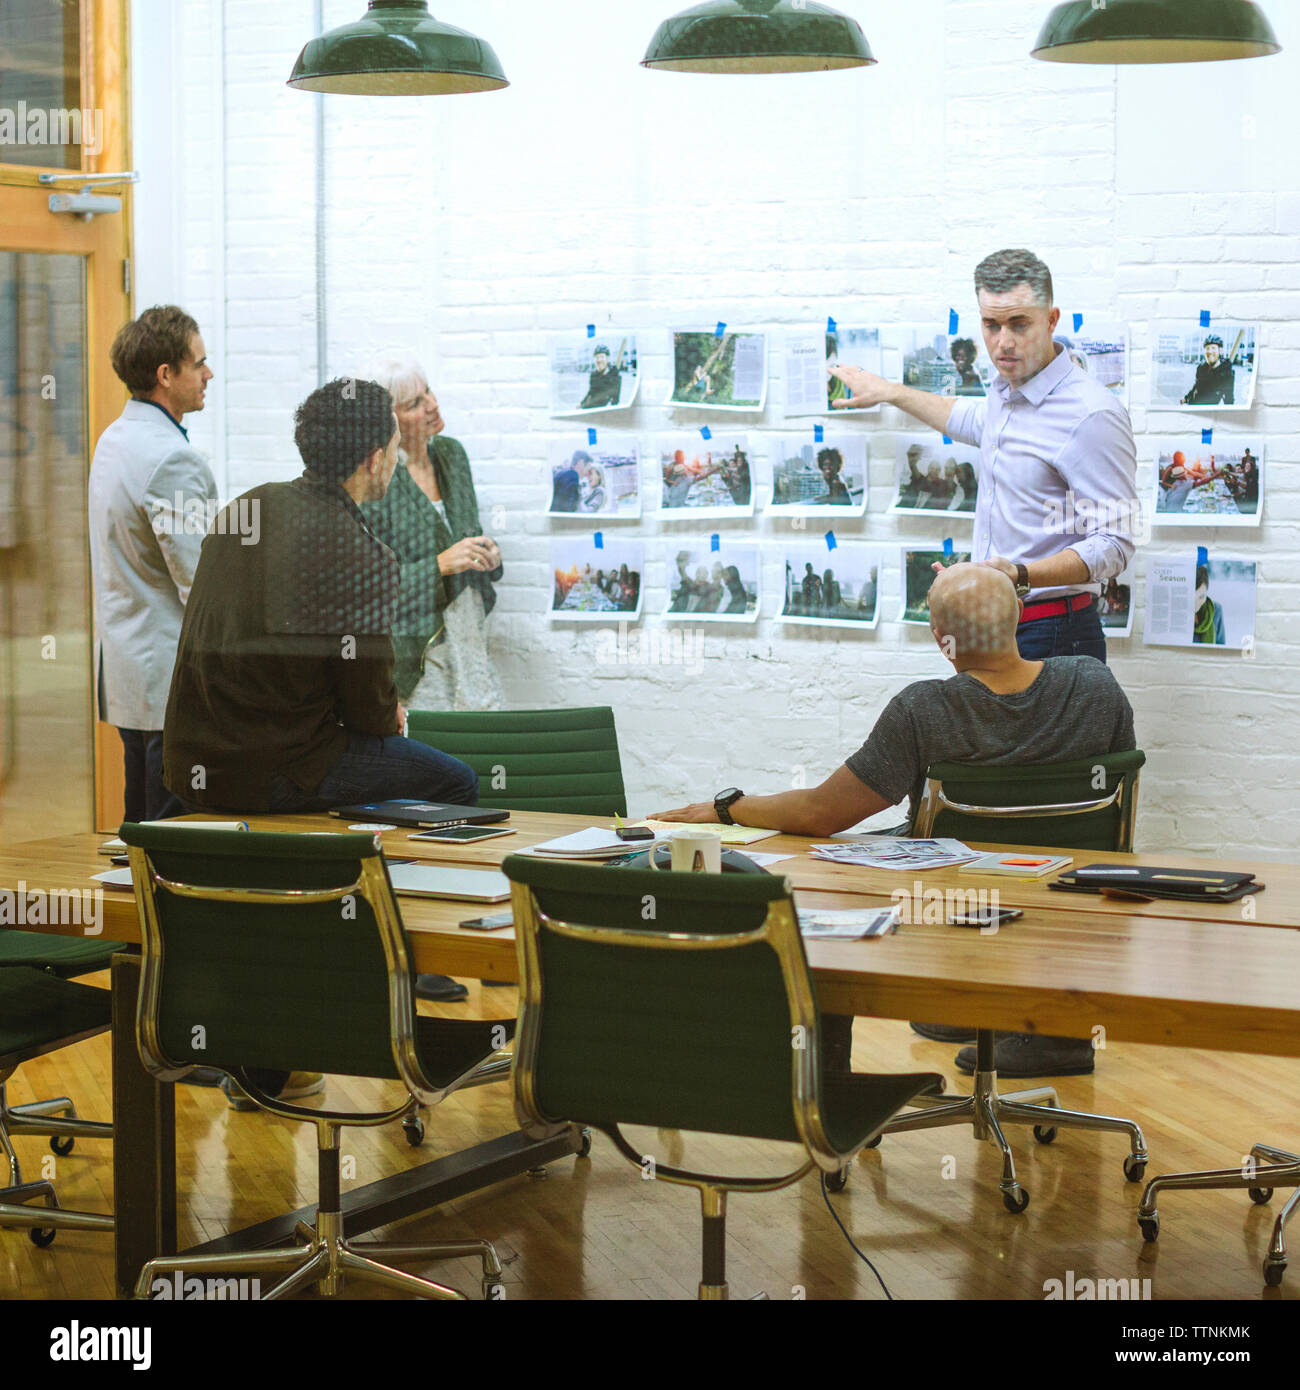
(816, 924)
(887, 853)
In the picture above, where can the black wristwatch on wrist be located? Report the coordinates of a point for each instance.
(1022, 581)
(724, 801)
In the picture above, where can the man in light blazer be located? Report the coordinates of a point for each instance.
(152, 496)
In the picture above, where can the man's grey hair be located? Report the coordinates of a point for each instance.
(1005, 271)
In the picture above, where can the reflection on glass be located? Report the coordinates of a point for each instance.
(45, 710)
(41, 120)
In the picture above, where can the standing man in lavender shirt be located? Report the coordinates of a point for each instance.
(1057, 508)
(1056, 512)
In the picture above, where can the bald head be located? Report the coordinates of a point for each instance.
(974, 613)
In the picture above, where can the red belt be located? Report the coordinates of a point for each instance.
(1055, 608)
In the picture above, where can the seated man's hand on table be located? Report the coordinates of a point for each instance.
(698, 812)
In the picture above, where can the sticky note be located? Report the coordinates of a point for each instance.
(1078, 322)
(591, 330)
(720, 329)
(1207, 436)
(952, 322)
(819, 434)
(946, 440)
(705, 432)
(830, 540)
(715, 542)
(1205, 318)
(591, 435)
(1202, 556)
(947, 549)
(831, 325)
(600, 540)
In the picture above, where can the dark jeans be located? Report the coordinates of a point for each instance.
(146, 797)
(381, 769)
(374, 769)
(1069, 634)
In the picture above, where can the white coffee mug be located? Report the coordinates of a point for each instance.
(694, 851)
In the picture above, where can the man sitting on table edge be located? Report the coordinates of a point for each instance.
(998, 709)
(283, 697)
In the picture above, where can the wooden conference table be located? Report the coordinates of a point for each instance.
(1172, 973)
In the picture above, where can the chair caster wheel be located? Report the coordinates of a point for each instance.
(1150, 1228)
(1134, 1168)
(1260, 1195)
(1045, 1134)
(838, 1180)
(414, 1131)
(584, 1149)
(873, 1143)
(42, 1237)
(1273, 1274)
(63, 1146)
(1016, 1200)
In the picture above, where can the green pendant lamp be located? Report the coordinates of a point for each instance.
(758, 36)
(1155, 31)
(398, 50)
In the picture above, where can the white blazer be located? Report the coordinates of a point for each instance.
(151, 497)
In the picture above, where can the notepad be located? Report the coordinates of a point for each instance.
(1018, 865)
(119, 846)
(730, 834)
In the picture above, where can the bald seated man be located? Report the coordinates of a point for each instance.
(998, 709)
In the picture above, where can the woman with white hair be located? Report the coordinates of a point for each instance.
(429, 519)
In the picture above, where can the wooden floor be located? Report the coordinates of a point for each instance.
(925, 1207)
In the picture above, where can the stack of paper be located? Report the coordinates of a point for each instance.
(589, 844)
(889, 853)
(816, 924)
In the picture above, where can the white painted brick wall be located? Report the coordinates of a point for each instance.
(594, 191)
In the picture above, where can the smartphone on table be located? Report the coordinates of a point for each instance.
(985, 917)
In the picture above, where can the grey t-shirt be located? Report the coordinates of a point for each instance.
(1074, 709)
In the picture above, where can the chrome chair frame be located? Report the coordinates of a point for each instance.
(326, 1255)
(779, 930)
(42, 1117)
(1281, 1168)
(984, 1109)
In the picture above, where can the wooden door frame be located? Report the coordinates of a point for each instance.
(27, 225)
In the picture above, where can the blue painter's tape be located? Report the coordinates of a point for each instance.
(831, 326)
(705, 432)
(1078, 322)
(600, 540)
(591, 435)
(715, 542)
(946, 440)
(952, 322)
(1202, 556)
(1207, 436)
(830, 540)
(819, 434)
(591, 330)
(720, 330)
(1205, 318)
(947, 548)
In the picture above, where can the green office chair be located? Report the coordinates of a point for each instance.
(1090, 803)
(40, 1013)
(63, 958)
(287, 952)
(1086, 805)
(681, 1001)
(534, 760)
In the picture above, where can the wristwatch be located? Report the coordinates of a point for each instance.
(724, 801)
(1022, 581)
